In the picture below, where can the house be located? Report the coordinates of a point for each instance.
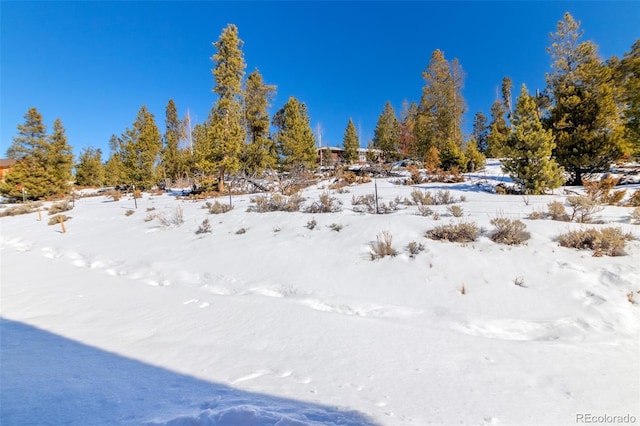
(337, 154)
(5, 167)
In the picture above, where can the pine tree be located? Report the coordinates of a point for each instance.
(528, 150)
(295, 139)
(475, 159)
(171, 159)
(406, 129)
(59, 159)
(627, 77)
(585, 118)
(140, 149)
(350, 143)
(89, 170)
(386, 133)
(113, 169)
(260, 153)
(31, 140)
(507, 85)
(480, 131)
(498, 130)
(441, 108)
(226, 130)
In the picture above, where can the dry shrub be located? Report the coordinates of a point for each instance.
(311, 224)
(556, 211)
(463, 232)
(416, 176)
(634, 200)
(54, 220)
(424, 211)
(129, 212)
(114, 194)
(241, 231)
(509, 231)
(414, 248)
(606, 241)
(635, 216)
(59, 207)
(599, 190)
(456, 211)
(583, 208)
(156, 191)
(422, 198)
(382, 247)
(335, 227)
(176, 218)
(21, 209)
(205, 227)
(137, 193)
(349, 177)
(217, 207)
(276, 202)
(325, 204)
(444, 197)
(536, 214)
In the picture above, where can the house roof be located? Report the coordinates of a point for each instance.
(5, 163)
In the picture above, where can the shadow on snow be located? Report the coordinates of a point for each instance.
(46, 379)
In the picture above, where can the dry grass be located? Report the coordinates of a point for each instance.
(325, 204)
(129, 212)
(463, 232)
(59, 207)
(21, 209)
(456, 211)
(54, 220)
(276, 202)
(583, 208)
(414, 248)
(217, 207)
(509, 231)
(635, 216)
(382, 247)
(556, 211)
(606, 241)
(176, 218)
(634, 200)
(114, 194)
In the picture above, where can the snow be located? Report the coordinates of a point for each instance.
(123, 321)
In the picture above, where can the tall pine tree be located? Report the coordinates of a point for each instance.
(260, 152)
(386, 133)
(140, 148)
(585, 118)
(171, 163)
(89, 170)
(295, 139)
(528, 150)
(59, 159)
(627, 76)
(350, 143)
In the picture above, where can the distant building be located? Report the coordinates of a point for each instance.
(5, 167)
(337, 154)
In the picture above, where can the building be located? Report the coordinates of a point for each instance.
(337, 155)
(5, 167)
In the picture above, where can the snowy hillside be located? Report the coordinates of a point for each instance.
(121, 320)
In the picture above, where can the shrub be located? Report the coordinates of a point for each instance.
(414, 249)
(276, 202)
(598, 190)
(606, 241)
(137, 193)
(422, 198)
(634, 200)
(444, 197)
(368, 201)
(311, 224)
(382, 247)
(176, 218)
(535, 215)
(21, 209)
(556, 211)
(217, 207)
(129, 212)
(59, 207)
(150, 209)
(335, 227)
(509, 231)
(325, 204)
(583, 208)
(461, 232)
(424, 210)
(241, 231)
(114, 194)
(635, 216)
(456, 211)
(204, 227)
(54, 220)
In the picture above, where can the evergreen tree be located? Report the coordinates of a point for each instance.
(441, 108)
(507, 85)
(498, 130)
(480, 131)
(31, 140)
(171, 158)
(528, 150)
(475, 159)
(89, 170)
(226, 130)
(113, 169)
(260, 153)
(350, 143)
(386, 134)
(140, 149)
(406, 129)
(295, 139)
(585, 118)
(59, 159)
(627, 77)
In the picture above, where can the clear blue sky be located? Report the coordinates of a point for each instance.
(94, 64)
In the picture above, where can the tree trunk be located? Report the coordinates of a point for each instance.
(221, 180)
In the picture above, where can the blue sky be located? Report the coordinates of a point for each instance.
(94, 64)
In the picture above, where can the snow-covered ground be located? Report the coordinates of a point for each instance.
(123, 321)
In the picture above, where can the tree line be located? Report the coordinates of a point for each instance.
(587, 117)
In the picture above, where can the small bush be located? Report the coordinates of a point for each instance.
(556, 211)
(635, 216)
(241, 231)
(606, 241)
(129, 212)
(424, 210)
(414, 249)
(583, 208)
(368, 201)
(325, 204)
(456, 211)
(114, 194)
(276, 202)
(436, 216)
(422, 198)
(176, 218)
(204, 227)
(463, 232)
(509, 231)
(335, 227)
(444, 197)
(137, 193)
(382, 247)
(276, 229)
(535, 215)
(59, 207)
(311, 224)
(54, 220)
(634, 200)
(599, 190)
(217, 207)
(21, 209)
(150, 209)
